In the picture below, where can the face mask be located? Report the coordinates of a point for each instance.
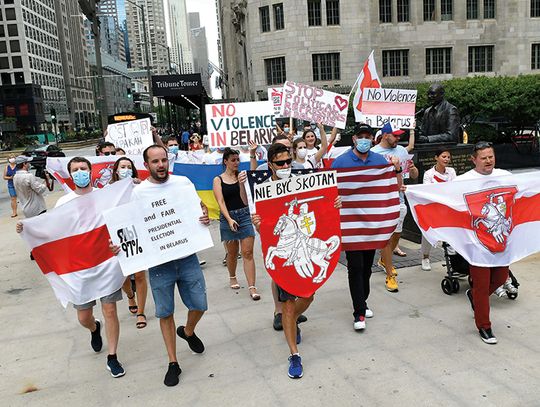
(286, 129)
(301, 153)
(283, 173)
(12, 160)
(173, 150)
(363, 145)
(81, 178)
(221, 149)
(125, 173)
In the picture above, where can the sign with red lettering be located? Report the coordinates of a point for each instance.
(314, 105)
(236, 124)
(276, 95)
(381, 105)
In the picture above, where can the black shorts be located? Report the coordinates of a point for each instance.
(284, 296)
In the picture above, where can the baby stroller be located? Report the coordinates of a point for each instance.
(458, 268)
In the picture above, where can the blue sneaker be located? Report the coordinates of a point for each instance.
(298, 335)
(115, 367)
(296, 370)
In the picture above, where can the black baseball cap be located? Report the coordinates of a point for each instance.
(361, 128)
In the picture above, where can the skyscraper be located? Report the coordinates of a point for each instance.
(199, 48)
(181, 51)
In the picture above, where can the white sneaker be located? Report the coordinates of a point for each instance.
(500, 292)
(360, 324)
(369, 313)
(426, 265)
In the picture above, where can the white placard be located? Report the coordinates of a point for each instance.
(276, 96)
(154, 231)
(133, 136)
(381, 105)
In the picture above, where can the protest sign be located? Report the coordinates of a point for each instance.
(276, 95)
(300, 230)
(236, 124)
(405, 166)
(133, 136)
(315, 105)
(154, 231)
(380, 105)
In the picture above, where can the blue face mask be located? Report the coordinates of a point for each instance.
(363, 145)
(81, 178)
(173, 150)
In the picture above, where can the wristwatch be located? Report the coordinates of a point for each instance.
(399, 171)
(252, 156)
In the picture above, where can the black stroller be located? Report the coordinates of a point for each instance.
(457, 268)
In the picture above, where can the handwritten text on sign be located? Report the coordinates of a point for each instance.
(315, 105)
(133, 136)
(294, 185)
(276, 95)
(380, 105)
(236, 124)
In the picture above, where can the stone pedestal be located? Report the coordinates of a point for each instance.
(424, 159)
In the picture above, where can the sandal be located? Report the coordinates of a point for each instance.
(399, 252)
(141, 324)
(133, 308)
(14, 216)
(254, 296)
(234, 286)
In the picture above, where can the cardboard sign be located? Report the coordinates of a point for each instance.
(380, 105)
(133, 137)
(236, 124)
(300, 230)
(158, 230)
(405, 165)
(315, 105)
(276, 96)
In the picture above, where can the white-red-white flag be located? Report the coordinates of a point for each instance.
(368, 78)
(70, 244)
(370, 210)
(490, 221)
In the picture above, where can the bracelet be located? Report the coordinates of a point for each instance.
(252, 156)
(399, 171)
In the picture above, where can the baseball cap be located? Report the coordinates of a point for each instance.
(22, 159)
(388, 128)
(362, 128)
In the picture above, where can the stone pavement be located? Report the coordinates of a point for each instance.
(420, 349)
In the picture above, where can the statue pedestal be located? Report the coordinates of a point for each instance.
(424, 159)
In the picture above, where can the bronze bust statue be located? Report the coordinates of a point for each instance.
(441, 120)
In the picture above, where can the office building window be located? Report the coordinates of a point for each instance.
(314, 12)
(12, 30)
(535, 8)
(332, 12)
(10, 14)
(385, 11)
(429, 10)
(481, 58)
(472, 9)
(4, 63)
(446, 10)
(264, 15)
(275, 71)
(395, 62)
(3, 47)
(279, 18)
(17, 62)
(403, 11)
(438, 61)
(535, 56)
(326, 67)
(15, 46)
(489, 8)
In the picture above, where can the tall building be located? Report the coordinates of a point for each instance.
(112, 35)
(325, 43)
(180, 36)
(199, 48)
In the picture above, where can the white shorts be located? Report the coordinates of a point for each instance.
(402, 214)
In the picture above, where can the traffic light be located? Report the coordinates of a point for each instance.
(129, 92)
(53, 115)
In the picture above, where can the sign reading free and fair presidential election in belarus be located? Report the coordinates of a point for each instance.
(380, 105)
(155, 231)
(236, 124)
(300, 230)
(315, 105)
(132, 136)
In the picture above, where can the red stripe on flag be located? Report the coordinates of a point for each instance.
(370, 217)
(371, 204)
(368, 231)
(74, 253)
(365, 178)
(368, 190)
(526, 209)
(436, 215)
(371, 245)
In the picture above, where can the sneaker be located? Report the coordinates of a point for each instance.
(369, 313)
(426, 265)
(468, 293)
(391, 284)
(115, 367)
(487, 336)
(380, 263)
(296, 370)
(96, 341)
(359, 323)
(298, 335)
(172, 377)
(301, 318)
(195, 344)
(278, 325)
(500, 292)
(202, 262)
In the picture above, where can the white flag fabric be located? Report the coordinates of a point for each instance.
(491, 221)
(368, 78)
(70, 244)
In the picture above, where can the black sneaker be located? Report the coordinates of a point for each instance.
(96, 342)
(301, 318)
(172, 377)
(487, 336)
(195, 344)
(115, 367)
(278, 324)
(468, 293)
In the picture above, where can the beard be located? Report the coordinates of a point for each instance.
(159, 177)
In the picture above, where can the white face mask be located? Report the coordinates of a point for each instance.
(283, 173)
(12, 160)
(301, 152)
(125, 173)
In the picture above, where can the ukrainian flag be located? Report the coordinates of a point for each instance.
(202, 176)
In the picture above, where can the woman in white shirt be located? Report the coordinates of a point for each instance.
(301, 150)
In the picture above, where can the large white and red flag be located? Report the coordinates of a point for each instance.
(70, 244)
(370, 211)
(368, 78)
(490, 221)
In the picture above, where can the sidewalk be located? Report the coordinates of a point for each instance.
(420, 349)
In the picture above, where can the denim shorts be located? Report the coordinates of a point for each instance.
(11, 190)
(184, 273)
(108, 299)
(245, 227)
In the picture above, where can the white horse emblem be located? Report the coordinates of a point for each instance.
(297, 246)
(494, 218)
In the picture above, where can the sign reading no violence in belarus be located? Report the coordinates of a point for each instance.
(236, 124)
(380, 105)
(315, 105)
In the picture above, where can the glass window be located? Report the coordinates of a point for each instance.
(429, 10)
(332, 12)
(4, 63)
(3, 47)
(489, 8)
(535, 8)
(438, 61)
(19, 77)
(395, 62)
(472, 9)
(385, 11)
(403, 11)
(2, 32)
(12, 30)
(17, 62)
(446, 10)
(535, 56)
(10, 14)
(264, 14)
(275, 71)
(15, 46)
(314, 13)
(279, 18)
(326, 67)
(481, 58)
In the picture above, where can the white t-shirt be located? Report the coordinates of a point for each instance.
(213, 158)
(473, 174)
(68, 197)
(432, 176)
(309, 164)
(311, 152)
(148, 190)
(398, 151)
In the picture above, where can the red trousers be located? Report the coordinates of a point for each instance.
(485, 281)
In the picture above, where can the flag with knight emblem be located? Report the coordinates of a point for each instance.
(490, 221)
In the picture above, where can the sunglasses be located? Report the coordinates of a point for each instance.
(110, 153)
(482, 145)
(281, 163)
